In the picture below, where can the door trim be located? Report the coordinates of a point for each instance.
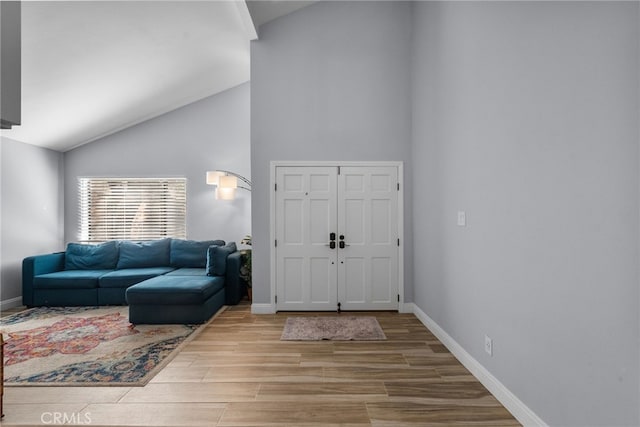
(272, 215)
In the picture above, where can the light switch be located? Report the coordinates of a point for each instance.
(462, 218)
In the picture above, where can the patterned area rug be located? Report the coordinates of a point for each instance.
(70, 346)
(341, 328)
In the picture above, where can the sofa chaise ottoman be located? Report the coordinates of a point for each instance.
(175, 299)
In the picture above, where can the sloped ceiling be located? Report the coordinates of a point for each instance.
(263, 11)
(92, 68)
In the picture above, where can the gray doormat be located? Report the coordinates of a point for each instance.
(337, 328)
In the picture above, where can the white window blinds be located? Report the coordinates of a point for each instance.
(132, 208)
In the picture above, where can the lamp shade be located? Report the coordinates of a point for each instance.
(225, 193)
(213, 177)
(228, 181)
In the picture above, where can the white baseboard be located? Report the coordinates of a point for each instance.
(262, 308)
(519, 410)
(10, 303)
(407, 307)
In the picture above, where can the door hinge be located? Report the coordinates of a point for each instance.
(275, 187)
(398, 297)
(275, 243)
(339, 305)
(398, 242)
(398, 186)
(338, 170)
(276, 299)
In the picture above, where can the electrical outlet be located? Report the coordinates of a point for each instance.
(488, 345)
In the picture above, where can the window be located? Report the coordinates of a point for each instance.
(132, 208)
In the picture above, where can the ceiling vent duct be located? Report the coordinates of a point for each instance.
(10, 63)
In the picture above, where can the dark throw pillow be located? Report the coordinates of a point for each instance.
(217, 259)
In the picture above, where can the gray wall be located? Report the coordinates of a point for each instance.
(209, 134)
(31, 210)
(525, 115)
(328, 82)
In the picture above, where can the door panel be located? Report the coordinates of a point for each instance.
(354, 211)
(381, 276)
(354, 279)
(321, 283)
(293, 217)
(292, 274)
(382, 232)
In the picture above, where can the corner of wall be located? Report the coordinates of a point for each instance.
(263, 308)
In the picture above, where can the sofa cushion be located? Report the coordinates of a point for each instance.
(217, 258)
(69, 279)
(191, 253)
(188, 272)
(174, 290)
(103, 256)
(153, 253)
(130, 276)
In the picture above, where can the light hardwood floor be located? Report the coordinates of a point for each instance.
(237, 372)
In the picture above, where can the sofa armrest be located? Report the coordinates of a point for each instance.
(234, 285)
(35, 265)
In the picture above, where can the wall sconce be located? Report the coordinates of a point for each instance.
(226, 183)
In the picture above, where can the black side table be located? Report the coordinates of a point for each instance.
(245, 271)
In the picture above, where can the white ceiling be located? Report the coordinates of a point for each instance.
(92, 68)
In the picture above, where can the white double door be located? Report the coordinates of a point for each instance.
(337, 242)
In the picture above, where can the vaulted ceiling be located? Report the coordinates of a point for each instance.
(91, 68)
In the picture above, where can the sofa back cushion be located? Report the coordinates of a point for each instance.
(217, 259)
(103, 256)
(191, 253)
(153, 253)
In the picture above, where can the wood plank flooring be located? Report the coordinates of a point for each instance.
(237, 372)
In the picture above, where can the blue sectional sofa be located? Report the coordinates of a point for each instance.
(162, 281)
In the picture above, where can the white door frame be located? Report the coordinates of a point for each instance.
(272, 215)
